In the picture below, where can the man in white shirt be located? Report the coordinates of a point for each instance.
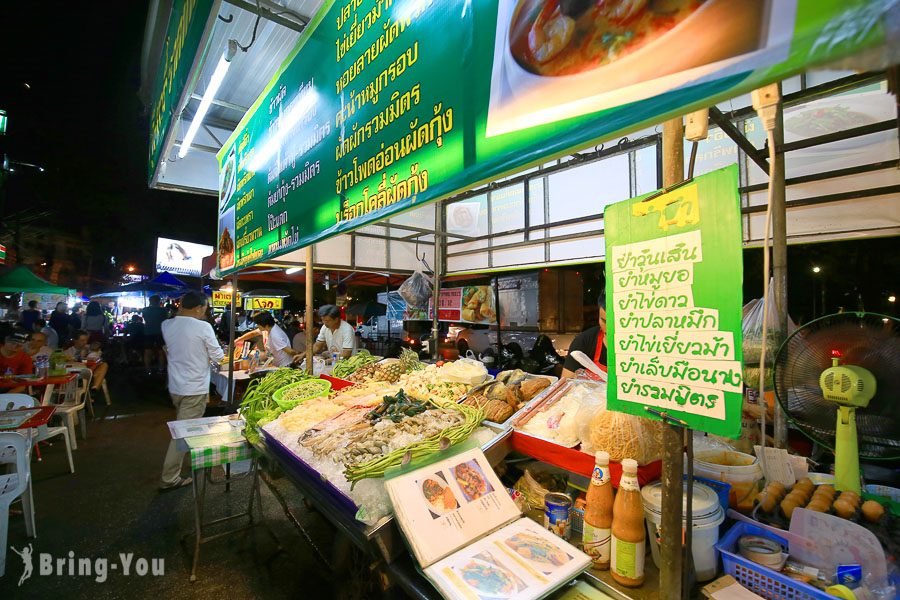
(337, 335)
(191, 346)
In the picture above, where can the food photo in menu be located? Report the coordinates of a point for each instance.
(538, 552)
(438, 495)
(485, 576)
(471, 480)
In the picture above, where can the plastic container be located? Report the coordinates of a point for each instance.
(758, 578)
(318, 388)
(721, 489)
(706, 518)
(741, 471)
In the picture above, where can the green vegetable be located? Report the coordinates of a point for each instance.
(258, 407)
(348, 366)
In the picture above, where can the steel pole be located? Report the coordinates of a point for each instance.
(234, 283)
(439, 244)
(670, 572)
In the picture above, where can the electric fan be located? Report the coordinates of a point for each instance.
(838, 380)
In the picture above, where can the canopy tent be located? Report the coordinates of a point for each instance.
(164, 284)
(21, 280)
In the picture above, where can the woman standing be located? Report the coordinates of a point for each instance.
(276, 341)
(95, 322)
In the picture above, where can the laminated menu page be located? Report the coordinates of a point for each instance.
(522, 560)
(448, 504)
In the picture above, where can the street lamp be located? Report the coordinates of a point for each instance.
(817, 269)
(892, 298)
(131, 268)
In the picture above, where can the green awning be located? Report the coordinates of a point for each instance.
(22, 280)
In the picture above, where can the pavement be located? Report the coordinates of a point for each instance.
(111, 509)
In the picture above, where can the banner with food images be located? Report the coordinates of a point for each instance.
(674, 289)
(386, 104)
(468, 304)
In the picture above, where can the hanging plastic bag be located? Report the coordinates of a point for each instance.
(751, 328)
(416, 291)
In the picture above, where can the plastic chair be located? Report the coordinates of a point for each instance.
(14, 402)
(39, 434)
(13, 486)
(68, 409)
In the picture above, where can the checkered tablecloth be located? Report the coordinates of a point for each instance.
(211, 456)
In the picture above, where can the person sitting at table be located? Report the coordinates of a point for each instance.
(95, 322)
(79, 352)
(14, 360)
(275, 340)
(40, 326)
(37, 346)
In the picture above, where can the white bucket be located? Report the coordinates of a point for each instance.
(742, 471)
(706, 518)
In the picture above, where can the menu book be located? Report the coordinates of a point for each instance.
(470, 538)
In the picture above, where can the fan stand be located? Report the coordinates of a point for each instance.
(846, 451)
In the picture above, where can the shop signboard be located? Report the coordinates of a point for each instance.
(674, 274)
(223, 298)
(467, 304)
(263, 303)
(383, 106)
(180, 257)
(187, 21)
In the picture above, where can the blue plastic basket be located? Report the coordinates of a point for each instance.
(757, 578)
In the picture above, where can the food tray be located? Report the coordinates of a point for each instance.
(537, 405)
(758, 578)
(508, 422)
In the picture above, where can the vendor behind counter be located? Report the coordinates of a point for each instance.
(592, 342)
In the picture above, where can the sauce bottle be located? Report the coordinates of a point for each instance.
(598, 513)
(628, 535)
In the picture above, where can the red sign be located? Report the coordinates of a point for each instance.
(449, 304)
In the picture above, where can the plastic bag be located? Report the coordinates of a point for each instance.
(751, 329)
(591, 406)
(416, 291)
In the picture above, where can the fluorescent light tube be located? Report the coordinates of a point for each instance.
(208, 96)
(292, 270)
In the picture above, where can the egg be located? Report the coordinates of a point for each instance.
(843, 509)
(788, 506)
(819, 505)
(872, 511)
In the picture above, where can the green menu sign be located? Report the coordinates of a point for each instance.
(674, 289)
(386, 104)
(186, 24)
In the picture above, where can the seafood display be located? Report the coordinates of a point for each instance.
(431, 383)
(507, 394)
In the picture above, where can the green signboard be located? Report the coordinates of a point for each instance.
(187, 22)
(674, 291)
(386, 104)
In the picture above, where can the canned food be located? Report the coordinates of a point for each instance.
(557, 513)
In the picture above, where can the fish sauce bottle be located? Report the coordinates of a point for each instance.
(598, 514)
(629, 538)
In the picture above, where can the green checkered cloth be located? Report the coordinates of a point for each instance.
(211, 456)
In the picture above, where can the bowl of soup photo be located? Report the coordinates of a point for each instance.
(610, 44)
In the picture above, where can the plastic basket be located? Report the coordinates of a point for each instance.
(757, 578)
(318, 387)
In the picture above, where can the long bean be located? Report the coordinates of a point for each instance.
(258, 407)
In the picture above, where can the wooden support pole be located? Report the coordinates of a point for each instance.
(673, 436)
(779, 259)
(231, 326)
(310, 321)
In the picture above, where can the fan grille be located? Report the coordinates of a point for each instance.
(867, 340)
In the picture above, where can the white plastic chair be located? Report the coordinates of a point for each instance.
(41, 433)
(68, 409)
(14, 402)
(13, 486)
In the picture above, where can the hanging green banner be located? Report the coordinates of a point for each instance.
(387, 104)
(183, 35)
(674, 291)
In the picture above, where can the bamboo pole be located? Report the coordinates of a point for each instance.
(670, 575)
(310, 276)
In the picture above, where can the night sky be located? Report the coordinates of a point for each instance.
(83, 121)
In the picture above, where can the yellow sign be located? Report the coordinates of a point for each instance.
(224, 299)
(263, 303)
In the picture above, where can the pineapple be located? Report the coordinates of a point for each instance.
(409, 361)
(388, 370)
(363, 374)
